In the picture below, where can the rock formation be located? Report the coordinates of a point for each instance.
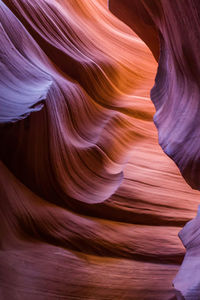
(90, 206)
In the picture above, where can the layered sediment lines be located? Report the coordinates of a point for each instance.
(90, 206)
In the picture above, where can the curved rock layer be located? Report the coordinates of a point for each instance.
(90, 207)
(173, 26)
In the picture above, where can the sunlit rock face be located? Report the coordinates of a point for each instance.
(90, 206)
(173, 26)
(77, 145)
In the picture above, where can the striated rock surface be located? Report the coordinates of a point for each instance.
(173, 26)
(90, 206)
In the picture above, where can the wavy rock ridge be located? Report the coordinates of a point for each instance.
(74, 110)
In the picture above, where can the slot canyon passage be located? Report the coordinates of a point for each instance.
(91, 206)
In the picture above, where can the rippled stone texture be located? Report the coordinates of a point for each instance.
(90, 207)
(174, 27)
